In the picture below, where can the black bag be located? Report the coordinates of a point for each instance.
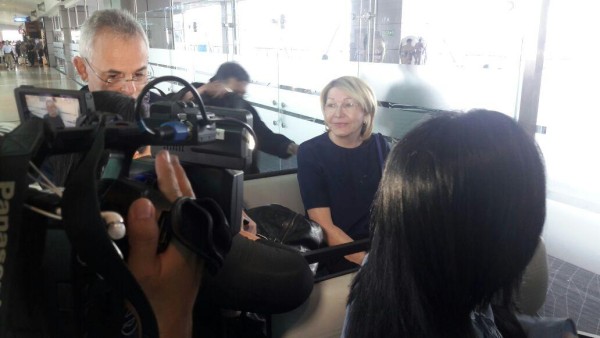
(282, 225)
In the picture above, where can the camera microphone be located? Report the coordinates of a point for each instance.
(117, 103)
(174, 131)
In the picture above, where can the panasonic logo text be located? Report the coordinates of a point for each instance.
(7, 191)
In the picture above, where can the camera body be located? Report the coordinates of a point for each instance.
(232, 146)
(213, 151)
(74, 259)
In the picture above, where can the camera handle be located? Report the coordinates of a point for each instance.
(139, 104)
(87, 233)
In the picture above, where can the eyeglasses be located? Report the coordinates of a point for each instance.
(114, 80)
(346, 106)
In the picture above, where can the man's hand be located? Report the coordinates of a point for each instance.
(172, 180)
(172, 278)
(248, 223)
(248, 228)
(292, 149)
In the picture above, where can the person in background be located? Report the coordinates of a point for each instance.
(339, 171)
(31, 53)
(53, 115)
(378, 48)
(227, 89)
(9, 55)
(39, 51)
(23, 50)
(2, 60)
(407, 52)
(18, 48)
(420, 52)
(457, 218)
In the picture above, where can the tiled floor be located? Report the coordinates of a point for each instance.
(33, 76)
(575, 293)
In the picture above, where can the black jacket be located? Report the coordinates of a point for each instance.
(268, 141)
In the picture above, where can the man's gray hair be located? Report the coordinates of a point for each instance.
(115, 21)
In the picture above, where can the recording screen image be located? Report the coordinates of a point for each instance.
(60, 111)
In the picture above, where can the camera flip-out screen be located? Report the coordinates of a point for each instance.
(60, 108)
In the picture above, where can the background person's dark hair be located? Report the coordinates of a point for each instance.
(231, 70)
(457, 217)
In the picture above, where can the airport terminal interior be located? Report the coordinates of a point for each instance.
(534, 61)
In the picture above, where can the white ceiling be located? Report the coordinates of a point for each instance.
(11, 8)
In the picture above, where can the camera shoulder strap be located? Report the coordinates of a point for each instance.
(89, 238)
(19, 314)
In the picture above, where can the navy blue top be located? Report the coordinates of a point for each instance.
(344, 180)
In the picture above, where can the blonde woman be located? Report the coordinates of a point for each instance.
(339, 171)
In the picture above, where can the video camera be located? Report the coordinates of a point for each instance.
(61, 251)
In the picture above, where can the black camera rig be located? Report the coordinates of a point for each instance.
(61, 251)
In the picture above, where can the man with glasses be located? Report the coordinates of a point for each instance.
(113, 53)
(114, 56)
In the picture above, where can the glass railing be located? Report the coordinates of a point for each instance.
(292, 51)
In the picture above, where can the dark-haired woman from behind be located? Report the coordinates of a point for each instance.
(456, 219)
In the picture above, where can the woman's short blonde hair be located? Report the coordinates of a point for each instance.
(358, 90)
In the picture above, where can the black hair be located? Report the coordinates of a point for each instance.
(231, 70)
(456, 219)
